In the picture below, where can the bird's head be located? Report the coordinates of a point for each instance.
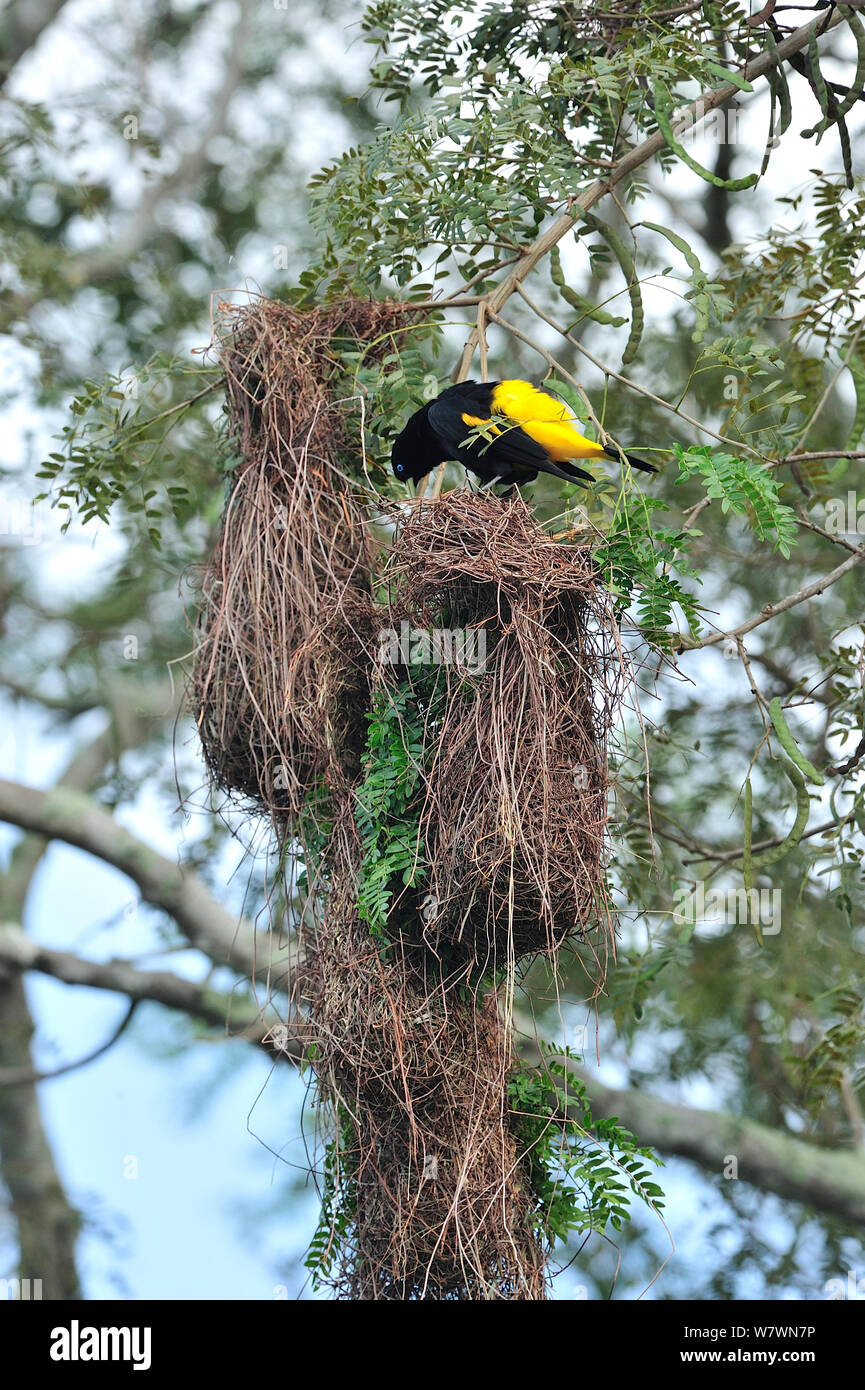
(415, 452)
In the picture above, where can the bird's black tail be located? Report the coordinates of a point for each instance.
(633, 461)
(569, 471)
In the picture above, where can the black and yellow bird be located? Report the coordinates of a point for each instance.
(529, 433)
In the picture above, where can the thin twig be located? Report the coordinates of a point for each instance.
(627, 381)
(28, 1076)
(772, 610)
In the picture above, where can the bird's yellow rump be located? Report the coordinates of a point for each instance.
(548, 421)
(527, 433)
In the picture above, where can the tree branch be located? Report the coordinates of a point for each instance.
(47, 1223)
(830, 1180)
(29, 1076)
(493, 301)
(68, 705)
(616, 376)
(771, 610)
(132, 709)
(20, 953)
(62, 814)
(496, 298)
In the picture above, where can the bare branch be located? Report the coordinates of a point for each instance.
(29, 1076)
(19, 952)
(62, 814)
(69, 705)
(135, 710)
(772, 610)
(830, 1180)
(827, 535)
(814, 454)
(46, 1221)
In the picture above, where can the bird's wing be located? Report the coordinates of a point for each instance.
(548, 421)
(452, 426)
(562, 441)
(446, 422)
(522, 401)
(513, 450)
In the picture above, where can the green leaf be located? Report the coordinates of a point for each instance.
(729, 75)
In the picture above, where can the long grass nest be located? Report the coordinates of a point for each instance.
(426, 1192)
(514, 822)
(514, 672)
(281, 675)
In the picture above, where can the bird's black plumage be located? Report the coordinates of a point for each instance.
(438, 433)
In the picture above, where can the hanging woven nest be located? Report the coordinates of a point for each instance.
(430, 1187)
(515, 817)
(286, 618)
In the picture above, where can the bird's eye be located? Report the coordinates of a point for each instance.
(400, 468)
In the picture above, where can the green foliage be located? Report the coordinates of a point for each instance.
(704, 292)
(387, 805)
(624, 255)
(118, 447)
(338, 1203)
(581, 1170)
(314, 829)
(389, 389)
(663, 105)
(745, 487)
(571, 296)
(813, 279)
(789, 744)
(835, 1062)
(636, 559)
(502, 117)
(856, 365)
(640, 974)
